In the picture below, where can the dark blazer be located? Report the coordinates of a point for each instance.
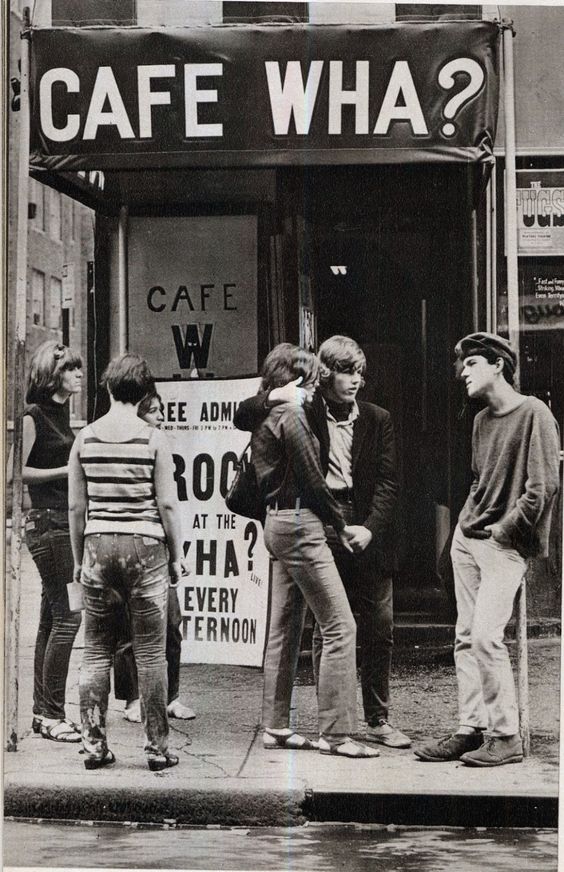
(374, 474)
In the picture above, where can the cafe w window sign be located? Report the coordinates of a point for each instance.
(193, 294)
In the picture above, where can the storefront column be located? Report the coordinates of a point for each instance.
(513, 326)
(123, 279)
(13, 588)
(491, 255)
(510, 188)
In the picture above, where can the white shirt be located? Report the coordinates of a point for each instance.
(339, 474)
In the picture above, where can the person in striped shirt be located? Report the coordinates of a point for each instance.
(126, 686)
(127, 547)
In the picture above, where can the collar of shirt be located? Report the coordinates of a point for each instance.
(350, 419)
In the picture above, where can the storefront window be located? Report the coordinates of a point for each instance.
(540, 248)
(76, 13)
(265, 11)
(433, 12)
(55, 216)
(55, 303)
(194, 294)
(37, 200)
(37, 298)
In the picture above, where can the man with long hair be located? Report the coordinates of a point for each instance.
(358, 461)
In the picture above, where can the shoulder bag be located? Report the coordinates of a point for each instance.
(244, 497)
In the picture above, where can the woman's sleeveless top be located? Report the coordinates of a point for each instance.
(121, 485)
(52, 446)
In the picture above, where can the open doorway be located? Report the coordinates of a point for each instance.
(389, 266)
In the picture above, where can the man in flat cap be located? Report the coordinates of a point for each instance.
(505, 520)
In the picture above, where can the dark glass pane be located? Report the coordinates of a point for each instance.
(79, 13)
(234, 11)
(431, 12)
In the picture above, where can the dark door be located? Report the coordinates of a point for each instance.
(390, 268)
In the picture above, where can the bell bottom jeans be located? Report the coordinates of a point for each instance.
(304, 574)
(370, 594)
(136, 569)
(47, 538)
(487, 576)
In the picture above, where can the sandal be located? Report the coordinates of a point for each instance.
(348, 748)
(287, 741)
(61, 731)
(132, 712)
(157, 762)
(94, 762)
(37, 723)
(177, 709)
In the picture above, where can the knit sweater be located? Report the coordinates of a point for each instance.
(515, 460)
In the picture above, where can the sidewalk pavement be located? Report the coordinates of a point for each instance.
(225, 777)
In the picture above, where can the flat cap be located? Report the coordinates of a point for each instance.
(476, 342)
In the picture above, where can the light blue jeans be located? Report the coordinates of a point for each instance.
(487, 576)
(304, 574)
(133, 569)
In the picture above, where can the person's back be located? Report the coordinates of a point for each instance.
(126, 539)
(118, 458)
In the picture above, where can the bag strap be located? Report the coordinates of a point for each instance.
(244, 451)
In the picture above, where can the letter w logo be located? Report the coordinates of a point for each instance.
(190, 345)
(339, 270)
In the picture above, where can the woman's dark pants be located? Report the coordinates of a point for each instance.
(47, 538)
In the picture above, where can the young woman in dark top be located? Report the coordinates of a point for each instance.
(55, 375)
(285, 453)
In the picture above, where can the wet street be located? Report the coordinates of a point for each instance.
(315, 847)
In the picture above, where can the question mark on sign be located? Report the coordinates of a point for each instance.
(447, 81)
(251, 533)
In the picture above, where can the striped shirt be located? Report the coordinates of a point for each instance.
(120, 484)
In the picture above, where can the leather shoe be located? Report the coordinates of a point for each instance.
(450, 747)
(496, 751)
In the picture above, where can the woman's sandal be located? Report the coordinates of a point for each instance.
(36, 724)
(61, 731)
(287, 741)
(157, 762)
(94, 762)
(349, 748)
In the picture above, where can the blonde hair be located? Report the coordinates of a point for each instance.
(340, 354)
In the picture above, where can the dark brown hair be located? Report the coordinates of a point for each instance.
(128, 378)
(146, 403)
(47, 366)
(285, 363)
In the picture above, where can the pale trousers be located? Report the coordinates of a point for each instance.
(304, 574)
(487, 576)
